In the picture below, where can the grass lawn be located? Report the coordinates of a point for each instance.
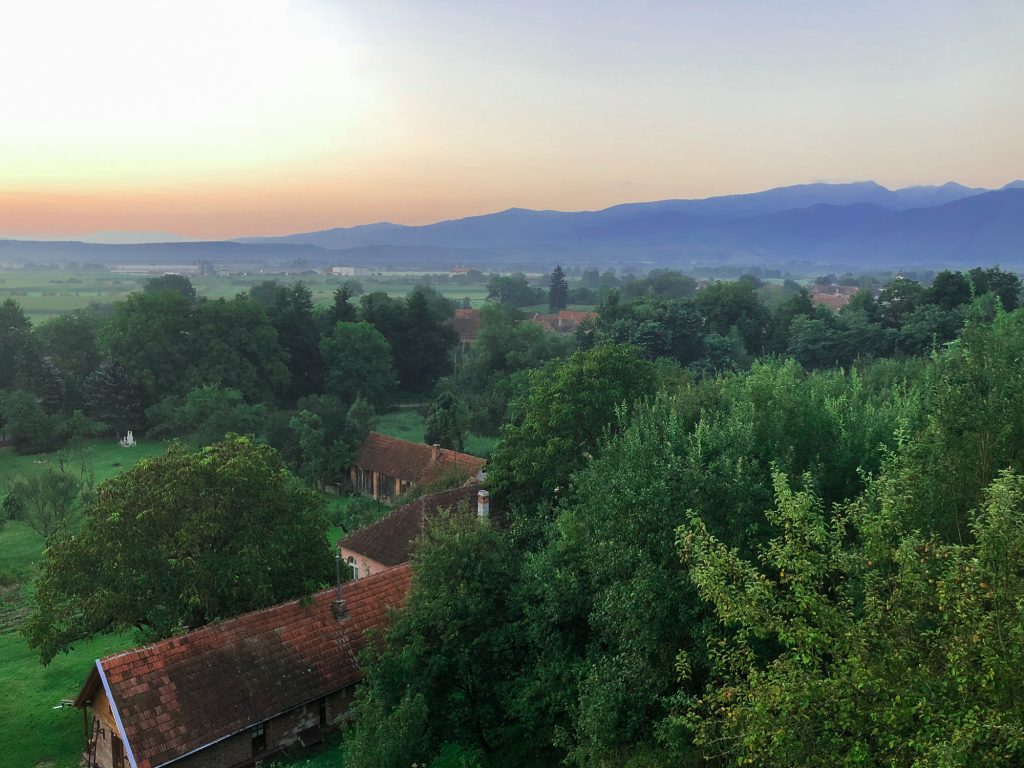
(31, 731)
(103, 456)
(410, 424)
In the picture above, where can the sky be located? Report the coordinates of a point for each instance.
(225, 118)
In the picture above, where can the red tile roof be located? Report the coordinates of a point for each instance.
(184, 693)
(390, 540)
(467, 324)
(414, 462)
(834, 301)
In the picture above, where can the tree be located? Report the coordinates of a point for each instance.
(423, 353)
(151, 336)
(357, 360)
(561, 419)
(513, 290)
(291, 314)
(898, 299)
(558, 293)
(15, 343)
(728, 305)
(28, 426)
(210, 412)
(1006, 285)
(446, 422)
(177, 283)
(110, 397)
(949, 290)
(181, 540)
(237, 347)
(341, 309)
(69, 341)
(49, 499)
(862, 639)
(450, 657)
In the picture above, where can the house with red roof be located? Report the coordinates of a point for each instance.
(467, 324)
(386, 467)
(391, 540)
(237, 691)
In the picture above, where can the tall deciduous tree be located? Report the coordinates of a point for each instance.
(358, 362)
(562, 419)
(181, 540)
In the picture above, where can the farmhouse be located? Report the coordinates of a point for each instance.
(467, 324)
(234, 692)
(835, 297)
(386, 467)
(390, 541)
(566, 321)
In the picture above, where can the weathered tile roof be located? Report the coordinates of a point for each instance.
(414, 462)
(467, 324)
(184, 693)
(390, 540)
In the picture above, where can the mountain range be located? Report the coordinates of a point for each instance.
(855, 225)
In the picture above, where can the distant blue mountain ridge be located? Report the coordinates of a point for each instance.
(860, 223)
(854, 225)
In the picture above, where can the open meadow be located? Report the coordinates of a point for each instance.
(46, 293)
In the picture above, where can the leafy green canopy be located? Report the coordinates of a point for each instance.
(889, 647)
(179, 541)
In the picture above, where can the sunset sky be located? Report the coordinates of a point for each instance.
(222, 118)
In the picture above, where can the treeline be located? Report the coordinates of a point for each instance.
(776, 566)
(268, 363)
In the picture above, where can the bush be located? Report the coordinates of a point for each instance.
(12, 507)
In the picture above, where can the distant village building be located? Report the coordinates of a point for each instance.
(835, 297)
(347, 271)
(386, 467)
(467, 324)
(457, 271)
(161, 269)
(238, 691)
(391, 540)
(566, 321)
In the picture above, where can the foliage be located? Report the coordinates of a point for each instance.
(169, 282)
(47, 500)
(864, 640)
(208, 413)
(558, 293)
(26, 424)
(181, 540)
(358, 363)
(446, 423)
(450, 654)
(110, 396)
(559, 421)
(513, 290)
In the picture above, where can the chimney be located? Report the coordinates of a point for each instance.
(483, 505)
(338, 606)
(437, 451)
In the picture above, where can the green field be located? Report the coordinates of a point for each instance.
(410, 424)
(43, 294)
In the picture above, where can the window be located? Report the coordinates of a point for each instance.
(259, 738)
(323, 712)
(352, 567)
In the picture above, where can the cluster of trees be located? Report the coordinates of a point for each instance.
(179, 541)
(726, 324)
(268, 363)
(643, 608)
